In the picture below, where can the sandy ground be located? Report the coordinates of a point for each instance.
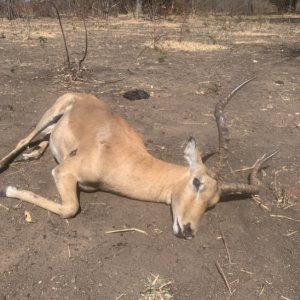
(186, 67)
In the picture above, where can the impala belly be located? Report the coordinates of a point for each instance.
(114, 156)
(62, 141)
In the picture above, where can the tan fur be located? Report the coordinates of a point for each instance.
(96, 149)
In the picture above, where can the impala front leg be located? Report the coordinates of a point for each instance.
(35, 153)
(66, 184)
(67, 188)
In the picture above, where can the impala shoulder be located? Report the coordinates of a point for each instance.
(80, 97)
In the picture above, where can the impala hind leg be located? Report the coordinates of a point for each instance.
(20, 147)
(44, 126)
(67, 188)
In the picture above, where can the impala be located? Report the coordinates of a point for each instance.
(97, 150)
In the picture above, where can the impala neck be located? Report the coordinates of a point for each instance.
(156, 180)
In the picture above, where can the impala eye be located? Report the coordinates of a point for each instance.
(197, 183)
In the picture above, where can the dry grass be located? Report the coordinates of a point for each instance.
(157, 288)
(174, 45)
(251, 42)
(202, 34)
(251, 33)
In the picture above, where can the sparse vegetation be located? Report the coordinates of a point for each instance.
(42, 40)
(72, 70)
(285, 6)
(162, 57)
(153, 9)
(157, 288)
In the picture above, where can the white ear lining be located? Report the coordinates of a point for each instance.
(190, 153)
(188, 159)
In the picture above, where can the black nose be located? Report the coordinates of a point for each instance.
(187, 232)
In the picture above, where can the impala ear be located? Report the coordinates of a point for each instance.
(192, 154)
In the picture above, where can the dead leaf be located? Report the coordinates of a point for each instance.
(28, 217)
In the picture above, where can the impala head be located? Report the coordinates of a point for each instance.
(201, 188)
(196, 192)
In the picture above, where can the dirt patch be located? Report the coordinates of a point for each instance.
(255, 242)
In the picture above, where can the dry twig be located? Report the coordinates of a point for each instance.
(261, 291)
(157, 288)
(86, 45)
(69, 251)
(224, 278)
(119, 297)
(285, 217)
(5, 207)
(62, 32)
(228, 254)
(127, 230)
(247, 272)
(290, 233)
(257, 199)
(243, 169)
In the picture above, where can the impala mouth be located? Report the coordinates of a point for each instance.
(186, 233)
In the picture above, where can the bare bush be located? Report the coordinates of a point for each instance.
(285, 6)
(152, 8)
